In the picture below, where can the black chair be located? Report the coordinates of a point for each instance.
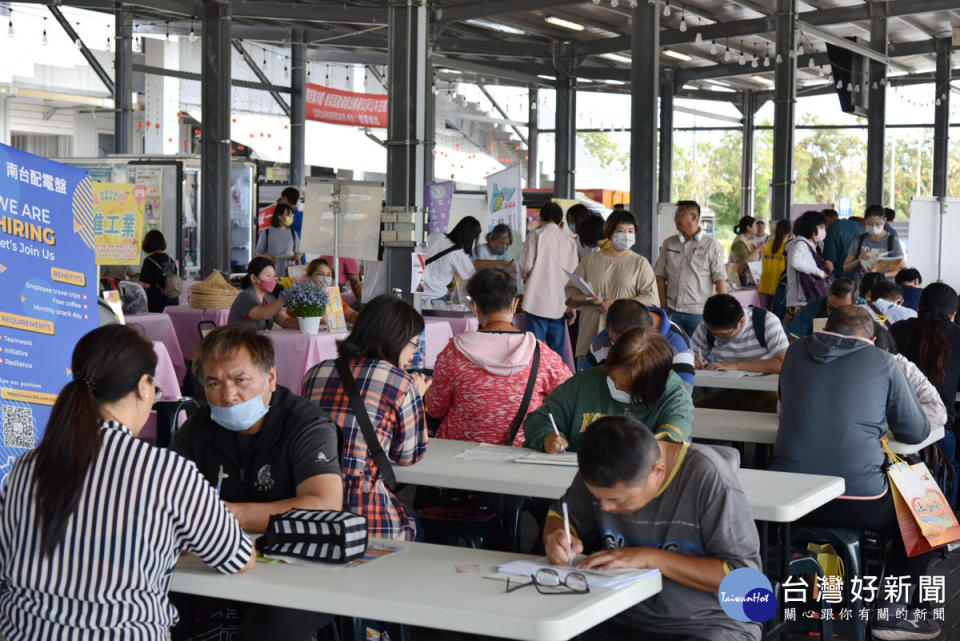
(167, 415)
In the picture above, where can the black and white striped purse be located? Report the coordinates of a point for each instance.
(315, 535)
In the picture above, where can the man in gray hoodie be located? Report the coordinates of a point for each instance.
(832, 429)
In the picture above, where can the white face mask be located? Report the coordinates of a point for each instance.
(616, 394)
(874, 230)
(325, 281)
(623, 241)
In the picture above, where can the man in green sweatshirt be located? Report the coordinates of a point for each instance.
(636, 381)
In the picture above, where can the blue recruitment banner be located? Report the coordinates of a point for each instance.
(48, 290)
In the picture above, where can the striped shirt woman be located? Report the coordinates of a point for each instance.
(87, 553)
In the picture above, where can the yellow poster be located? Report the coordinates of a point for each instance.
(118, 211)
(334, 311)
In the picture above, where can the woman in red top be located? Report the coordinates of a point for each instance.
(480, 377)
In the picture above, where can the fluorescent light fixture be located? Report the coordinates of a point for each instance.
(616, 57)
(722, 87)
(496, 26)
(546, 77)
(761, 79)
(677, 55)
(613, 82)
(566, 24)
(689, 87)
(584, 80)
(718, 83)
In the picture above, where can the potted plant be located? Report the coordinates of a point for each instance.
(308, 302)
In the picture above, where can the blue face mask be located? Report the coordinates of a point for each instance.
(616, 394)
(241, 416)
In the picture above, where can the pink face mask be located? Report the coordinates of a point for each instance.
(821, 234)
(268, 284)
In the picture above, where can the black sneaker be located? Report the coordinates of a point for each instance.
(905, 630)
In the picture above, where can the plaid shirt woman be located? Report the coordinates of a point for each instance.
(382, 342)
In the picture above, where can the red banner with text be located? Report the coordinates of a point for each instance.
(346, 107)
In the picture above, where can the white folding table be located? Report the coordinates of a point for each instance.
(759, 383)
(421, 586)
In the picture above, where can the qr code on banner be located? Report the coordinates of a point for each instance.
(17, 426)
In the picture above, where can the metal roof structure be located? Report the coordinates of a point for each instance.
(516, 41)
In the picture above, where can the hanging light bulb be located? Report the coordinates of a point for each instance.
(666, 9)
(743, 59)
(856, 89)
(779, 59)
(43, 39)
(875, 84)
(614, 3)
(754, 63)
(800, 49)
(78, 43)
(713, 47)
(683, 23)
(766, 60)
(849, 86)
(810, 62)
(839, 84)
(168, 30)
(109, 44)
(193, 35)
(938, 102)
(726, 54)
(699, 37)
(596, 1)
(10, 28)
(633, 4)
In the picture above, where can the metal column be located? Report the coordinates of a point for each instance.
(877, 110)
(298, 108)
(566, 136)
(408, 65)
(941, 119)
(533, 135)
(749, 110)
(216, 74)
(644, 93)
(429, 124)
(123, 82)
(785, 110)
(667, 89)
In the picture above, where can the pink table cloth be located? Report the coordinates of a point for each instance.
(159, 327)
(185, 294)
(458, 325)
(296, 353)
(185, 321)
(166, 378)
(747, 296)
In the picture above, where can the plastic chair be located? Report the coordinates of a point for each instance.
(805, 564)
(167, 417)
(848, 544)
(204, 327)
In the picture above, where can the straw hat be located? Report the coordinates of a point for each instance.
(213, 293)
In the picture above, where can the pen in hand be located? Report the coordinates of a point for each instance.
(566, 529)
(555, 430)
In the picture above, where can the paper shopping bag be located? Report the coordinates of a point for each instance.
(925, 518)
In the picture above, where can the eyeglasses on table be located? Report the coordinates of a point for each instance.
(548, 581)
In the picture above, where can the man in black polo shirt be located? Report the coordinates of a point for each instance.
(268, 451)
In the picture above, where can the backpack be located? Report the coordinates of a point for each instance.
(759, 316)
(172, 283)
(863, 237)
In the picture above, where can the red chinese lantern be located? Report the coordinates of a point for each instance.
(240, 147)
(169, 139)
(269, 136)
(139, 125)
(196, 131)
(148, 123)
(234, 121)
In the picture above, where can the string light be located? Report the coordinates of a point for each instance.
(743, 56)
(713, 47)
(44, 40)
(766, 60)
(779, 59)
(726, 54)
(699, 37)
(666, 9)
(810, 63)
(683, 19)
(10, 26)
(614, 3)
(78, 43)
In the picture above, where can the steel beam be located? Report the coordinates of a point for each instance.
(445, 15)
(187, 75)
(307, 11)
(757, 26)
(565, 159)
(409, 56)
(503, 113)
(867, 52)
(667, 90)
(485, 69)
(533, 138)
(749, 110)
(215, 142)
(877, 111)
(258, 72)
(784, 111)
(941, 118)
(87, 54)
(298, 108)
(123, 74)
(644, 98)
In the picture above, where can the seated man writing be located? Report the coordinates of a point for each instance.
(637, 380)
(643, 502)
(267, 451)
(832, 429)
(627, 314)
(737, 339)
(842, 292)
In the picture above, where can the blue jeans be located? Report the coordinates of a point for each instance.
(549, 330)
(687, 322)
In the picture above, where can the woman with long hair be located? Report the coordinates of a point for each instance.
(932, 342)
(450, 256)
(93, 520)
(256, 308)
(744, 249)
